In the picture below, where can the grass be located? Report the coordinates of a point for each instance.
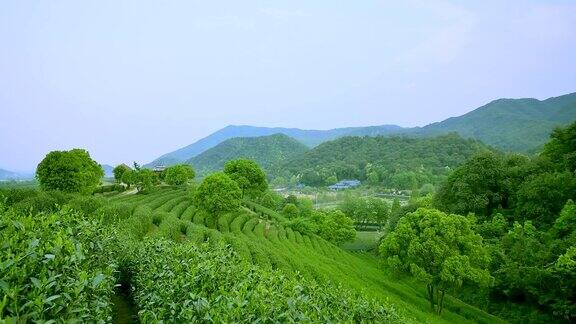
(258, 237)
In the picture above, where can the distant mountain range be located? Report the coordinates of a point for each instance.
(108, 170)
(521, 125)
(268, 151)
(11, 175)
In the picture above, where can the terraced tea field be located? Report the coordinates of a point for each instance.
(258, 237)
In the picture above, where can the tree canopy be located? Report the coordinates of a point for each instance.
(179, 174)
(248, 175)
(218, 194)
(439, 249)
(69, 171)
(119, 172)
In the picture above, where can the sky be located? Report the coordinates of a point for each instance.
(131, 80)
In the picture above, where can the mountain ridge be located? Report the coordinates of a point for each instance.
(521, 125)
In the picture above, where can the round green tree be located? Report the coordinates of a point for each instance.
(441, 250)
(69, 171)
(218, 194)
(179, 174)
(249, 176)
(119, 172)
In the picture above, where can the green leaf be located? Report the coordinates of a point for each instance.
(97, 280)
(51, 298)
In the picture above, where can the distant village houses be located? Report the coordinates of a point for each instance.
(345, 184)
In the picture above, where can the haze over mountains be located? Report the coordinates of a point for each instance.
(521, 125)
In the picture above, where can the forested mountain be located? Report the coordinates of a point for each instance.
(310, 138)
(268, 151)
(521, 125)
(396, 161)
(5, 174)
(8, 175)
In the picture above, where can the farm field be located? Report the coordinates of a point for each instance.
(261, 240)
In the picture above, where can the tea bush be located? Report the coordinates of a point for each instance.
(207, 283)
(55, 266)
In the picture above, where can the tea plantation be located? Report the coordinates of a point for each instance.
(177, 263)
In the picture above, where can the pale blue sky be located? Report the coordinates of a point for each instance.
(130, 80)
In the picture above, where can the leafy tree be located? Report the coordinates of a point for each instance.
(69, 171)
(179, 174)
(145, 179)
(561, 148)
(119, 172)
(477, 186)
(218, 194)
(334, 226)
(248, 175)
(542, 197)
(331, 180)
(439, 249)
(565, 224)
(291, 211)
(129, 177)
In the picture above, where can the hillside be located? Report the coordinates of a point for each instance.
(310, 138)
(402, 162)
(258, 236)
(10, 175)
(521, 125)
(267, 151)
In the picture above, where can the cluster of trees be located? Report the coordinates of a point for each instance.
(395, 162)
(145, 179)
(222, 192)
(365, 211)
(332, 225)
(519, 227)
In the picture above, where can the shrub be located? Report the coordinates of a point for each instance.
(56, 266)
(86, 204)
(188, 283)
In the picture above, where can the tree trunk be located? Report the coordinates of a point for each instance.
(441, 303)
(430, 288)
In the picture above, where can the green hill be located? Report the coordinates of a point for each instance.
(267, 151)
(402, 162)
(259, 237)
(508, 124)
(310, 138)
(521, 125)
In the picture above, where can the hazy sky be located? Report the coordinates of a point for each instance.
(130, 80)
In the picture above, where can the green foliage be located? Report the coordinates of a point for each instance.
(69, 171)
(399, 162)
(119, 172)
(56, 266)
(520, 125)
(290, 211)
(365, 210)
(439, 249)
(179, 174)
(218, 194)
(477, 186)
(542, 197)
(86, 205)
(187, 283)
(334, 226)
(561, 148)
(145, 179)
(268, 151)
(249, 176)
